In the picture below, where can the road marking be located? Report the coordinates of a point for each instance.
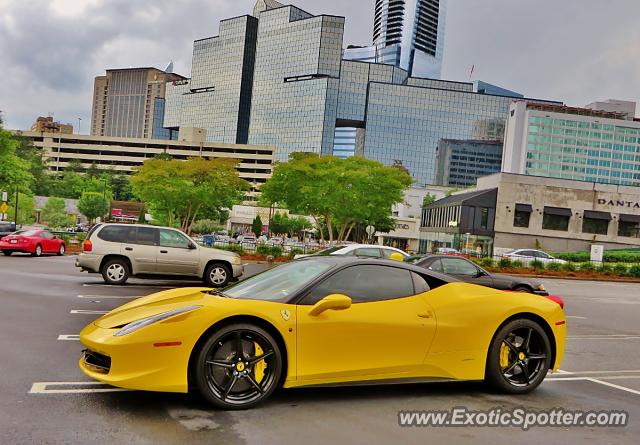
(612, 385)
(561, 371)
(128, 286)
(69, 337)
(603, 337)
(106, 297)
(625, 371)
(76, 388)
(576, 317)
(87, 312)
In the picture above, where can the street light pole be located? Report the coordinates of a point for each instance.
(15, 216)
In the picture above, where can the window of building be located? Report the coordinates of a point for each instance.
(629, 226)
(484, 218)
(556, 218)
(596, 222)
(522, 215)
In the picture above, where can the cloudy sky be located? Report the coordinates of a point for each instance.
(576, 51)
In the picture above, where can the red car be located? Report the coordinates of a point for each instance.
(35, 242)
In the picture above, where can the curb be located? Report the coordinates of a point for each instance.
(602, 279)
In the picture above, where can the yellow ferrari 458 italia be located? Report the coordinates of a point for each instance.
(325, 321)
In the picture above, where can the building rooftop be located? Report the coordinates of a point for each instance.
(575, 110)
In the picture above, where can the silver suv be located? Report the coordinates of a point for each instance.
(118, 251)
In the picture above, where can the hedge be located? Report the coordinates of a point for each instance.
(609, 257)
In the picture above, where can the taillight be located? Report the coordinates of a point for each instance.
(87, 246)
(558, 300)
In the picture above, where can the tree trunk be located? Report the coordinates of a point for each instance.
(327, 219)
(349, 231)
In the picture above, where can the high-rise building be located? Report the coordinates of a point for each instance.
(459, 163)
(573, 143)
(124, 101)
(408, 34)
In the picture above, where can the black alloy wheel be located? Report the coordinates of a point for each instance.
(238, 367)
(519, 357)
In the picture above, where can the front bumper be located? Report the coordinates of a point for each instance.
(238, 270)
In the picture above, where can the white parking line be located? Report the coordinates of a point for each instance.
(110, 297)
(76, 388)
(624, 371)
(69, 337)
(128, 286)
(576, 317)
(603, 337)
(87, 312)
(612, 385)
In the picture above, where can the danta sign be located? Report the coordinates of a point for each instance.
(617, 203)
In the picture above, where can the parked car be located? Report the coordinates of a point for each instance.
(36, 242)
(467, 271)
(361, 250)
(529, 255)
(275, 241)
(7, 228)
(118, 251)
(448, 251)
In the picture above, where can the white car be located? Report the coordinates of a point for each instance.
(530, 255)
(363, 250)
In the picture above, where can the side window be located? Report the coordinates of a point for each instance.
(454, 266)
(46, 234)
(147, 236)
(370, 252)
(387, 252)
(420, 284)
(171, 238)
(435, 265)
(365, 283)
(117, 234)
(541, 255)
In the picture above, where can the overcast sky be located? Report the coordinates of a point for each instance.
(576, 51)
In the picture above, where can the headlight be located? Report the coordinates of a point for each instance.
(541, 287)
(139, 324)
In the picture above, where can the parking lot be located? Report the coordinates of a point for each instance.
(44, 397)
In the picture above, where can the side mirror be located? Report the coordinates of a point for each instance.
(481, 273)
(192, 246)
(333, 301)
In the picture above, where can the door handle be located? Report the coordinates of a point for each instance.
(164, 251)
(425, 314)
(128, 249)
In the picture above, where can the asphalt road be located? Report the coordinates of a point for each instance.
(44, 398)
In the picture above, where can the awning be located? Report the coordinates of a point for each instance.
(629, 218)
(591, 214)
(559, 211)
(524, 208)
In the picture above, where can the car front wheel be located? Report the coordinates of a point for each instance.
(519, 357)
(115, 272)
(238, 367)
(217, 275)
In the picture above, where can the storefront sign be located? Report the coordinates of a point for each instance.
(618, 203)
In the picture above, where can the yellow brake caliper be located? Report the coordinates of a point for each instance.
(258, 368)
(504, 356)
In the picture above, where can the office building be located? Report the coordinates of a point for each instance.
(125, 102)
(509, 211)
(48, 125)
(124, 155)
(286, 67)
(573, 143)
(459, 163)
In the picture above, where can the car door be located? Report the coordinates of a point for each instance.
(542, 257)
(177, 254)
(466, 271)
(46, 241)
(387, 331)
(140, 244)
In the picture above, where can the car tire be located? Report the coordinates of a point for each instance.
(38, 251)
(516, 365)
(61, 250)
(522, 288)
(7, 252)
(115, 271)
(233, 380)
(217, 275)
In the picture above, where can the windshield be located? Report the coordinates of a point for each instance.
(329, 251)
(278, 283)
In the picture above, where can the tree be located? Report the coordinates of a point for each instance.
(185, 191)
(92, 205)
(340, 193)
(15, 172)
(256, 226)
(26, 208)
(297, 225)
(121, 188)
(279, 224)
(428, 200)
(54, 213)
(206, 226)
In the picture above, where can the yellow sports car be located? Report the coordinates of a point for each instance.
(325, 321)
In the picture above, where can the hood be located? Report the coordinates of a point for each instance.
(152, 305)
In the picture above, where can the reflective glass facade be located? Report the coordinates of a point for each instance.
(461, 162)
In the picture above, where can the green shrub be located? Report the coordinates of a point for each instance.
(538, 266)
(605, 269)
(554, 267)
(587, 267)
(568, 267)
(612, 256)
(237, 248)
(634, 271)
(295, 251)
(517, 264)
(265, 250)
(276, 251)
(486, 262)
(504, 263)
(620, 269)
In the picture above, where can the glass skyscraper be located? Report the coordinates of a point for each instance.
(279, 78)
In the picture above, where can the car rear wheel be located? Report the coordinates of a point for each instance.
(519, 357)
(238, 367)
(7, 252)
(38, 251)
(115, 271)
(217, 275)
(61, 250)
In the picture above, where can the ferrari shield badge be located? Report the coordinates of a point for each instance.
(286, 315)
